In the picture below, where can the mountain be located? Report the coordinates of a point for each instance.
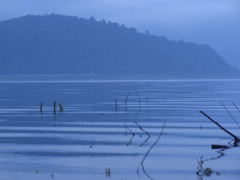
(57, 44)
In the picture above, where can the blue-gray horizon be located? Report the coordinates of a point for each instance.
(216, 22)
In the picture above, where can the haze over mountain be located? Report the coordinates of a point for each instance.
(56, 44)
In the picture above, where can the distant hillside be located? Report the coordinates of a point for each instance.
(56, 44)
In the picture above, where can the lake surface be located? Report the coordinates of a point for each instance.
(110, 129)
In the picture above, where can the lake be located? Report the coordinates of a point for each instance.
(117, 129)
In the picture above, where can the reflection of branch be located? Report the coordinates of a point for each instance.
(145, 156)
(116, 105)
(221, 154)
(202, 172)
(139, 101)
(208, 171)
(146, 101)
(140, 127)
(144, 142)
(126, 101)
(130, 141)
(133, 134)
(234, 136)
(125, 129)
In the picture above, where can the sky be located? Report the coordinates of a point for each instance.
(212, 22)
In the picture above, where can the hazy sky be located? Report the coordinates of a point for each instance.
(212, 22)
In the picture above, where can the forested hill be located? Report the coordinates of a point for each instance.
(57, 44)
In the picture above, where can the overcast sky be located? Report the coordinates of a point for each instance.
(212, 22)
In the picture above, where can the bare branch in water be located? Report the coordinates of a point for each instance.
(230, 114)
(236, 107)
(234, 136)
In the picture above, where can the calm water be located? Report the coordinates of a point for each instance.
(103, 130)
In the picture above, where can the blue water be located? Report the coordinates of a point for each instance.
(98, 134)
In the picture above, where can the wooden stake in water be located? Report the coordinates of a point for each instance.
(108, 172)
(41, 107)
(54, 107)
(60, 108)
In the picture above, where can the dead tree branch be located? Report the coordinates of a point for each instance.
(231, 134)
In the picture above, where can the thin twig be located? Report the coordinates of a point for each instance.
(238, 110)
(230, 114)
(236, 107)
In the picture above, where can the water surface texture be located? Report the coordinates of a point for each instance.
(107, 128)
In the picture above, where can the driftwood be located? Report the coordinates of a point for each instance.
(215, 146)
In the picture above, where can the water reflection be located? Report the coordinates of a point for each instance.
(202, 170)
(106, 128)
